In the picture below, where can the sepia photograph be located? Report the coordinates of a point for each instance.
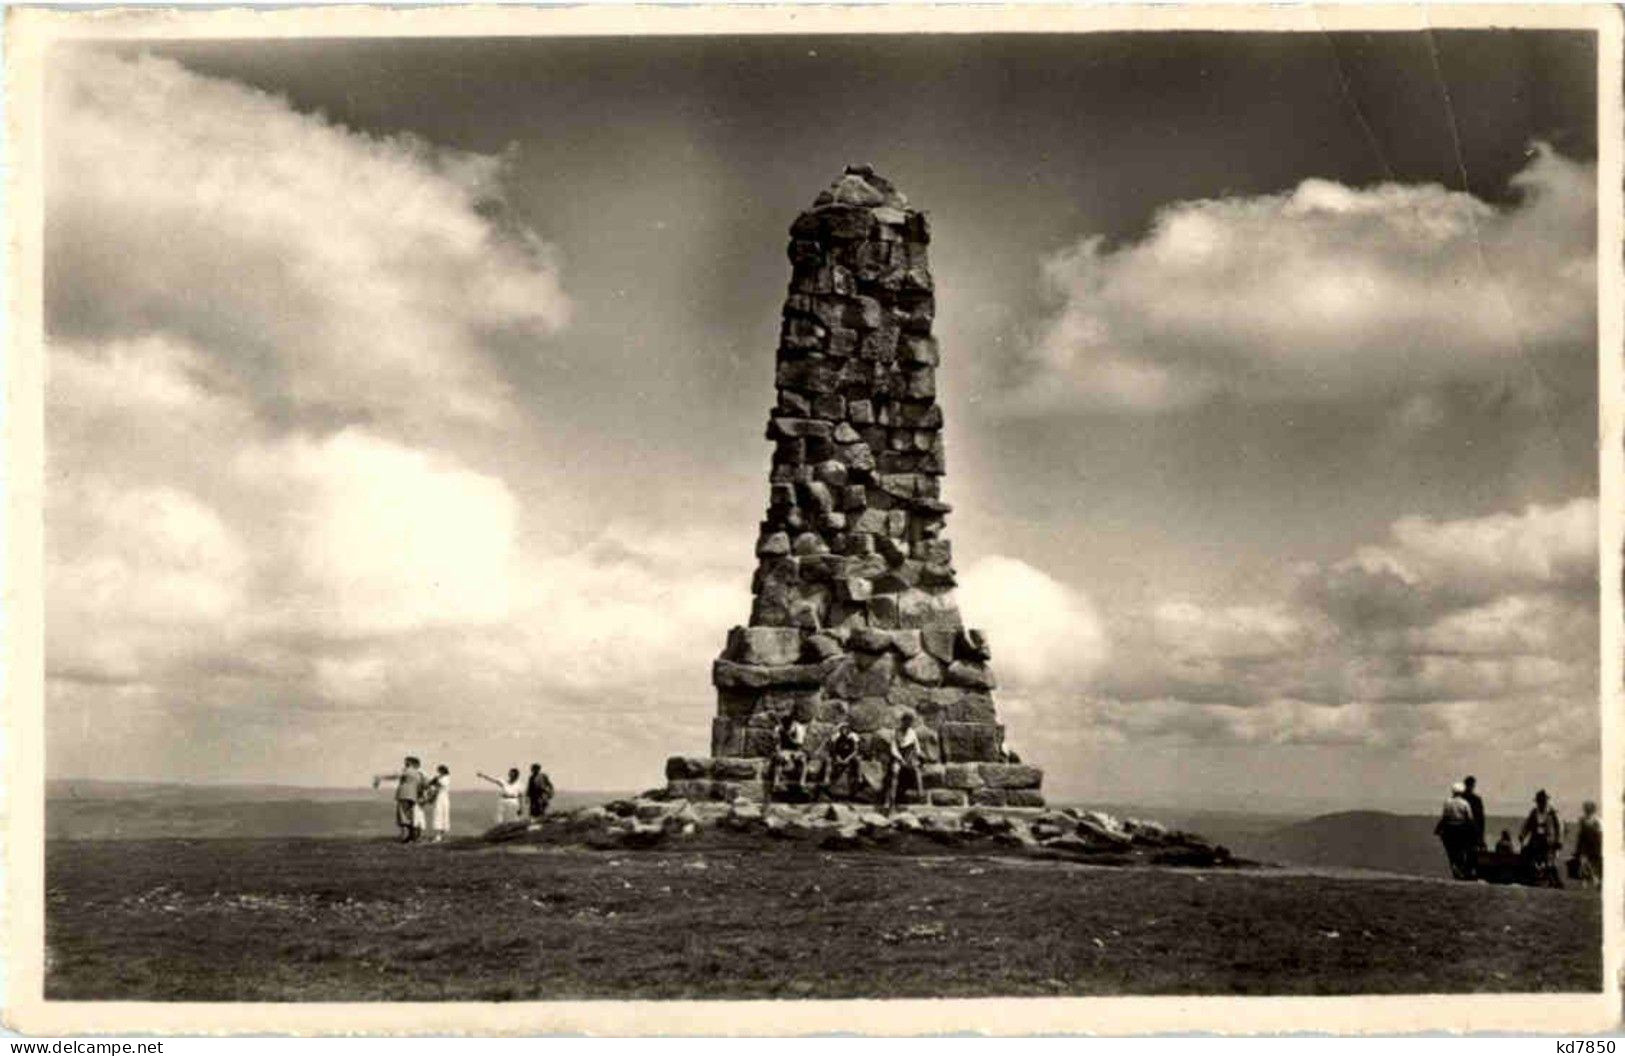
(817, 508)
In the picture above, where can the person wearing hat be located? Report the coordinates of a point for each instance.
(1455, 831)
(1542, 839)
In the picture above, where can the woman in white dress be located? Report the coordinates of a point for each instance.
(509, 795)
(437, 797)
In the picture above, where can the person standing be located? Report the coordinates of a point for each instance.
(509, 795)
(1476, 804)
(538, 791)
(1455, 831)
(1542, 837)
(408, 789)
(1588, 844)
(437, 797)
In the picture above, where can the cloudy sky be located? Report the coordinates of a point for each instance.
(408, 395)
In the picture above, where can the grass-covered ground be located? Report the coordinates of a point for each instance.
(313, 920)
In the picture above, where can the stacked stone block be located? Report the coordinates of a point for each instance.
(853, 616)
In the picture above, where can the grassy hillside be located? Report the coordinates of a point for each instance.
(313, 920)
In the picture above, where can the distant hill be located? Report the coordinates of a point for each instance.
(1361, 839)
(106, 810)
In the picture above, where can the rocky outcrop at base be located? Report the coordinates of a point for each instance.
(1066, 833)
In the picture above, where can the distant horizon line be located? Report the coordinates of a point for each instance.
(1317, 806)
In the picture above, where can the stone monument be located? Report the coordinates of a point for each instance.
(853, 615)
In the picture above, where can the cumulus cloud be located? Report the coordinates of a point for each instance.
(1042, 631)
(273, 347)
(144, 574)
(1323, 292)
(610, 626)
(345, 274)
(1478, 631)
(367, 536)
(1432, 568)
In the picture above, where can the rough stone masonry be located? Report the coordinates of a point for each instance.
(853, 615)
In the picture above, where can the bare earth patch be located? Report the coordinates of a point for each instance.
(315, 920)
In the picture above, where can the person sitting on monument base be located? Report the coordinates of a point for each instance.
(789, 756)
(841, 759)
(903, 758)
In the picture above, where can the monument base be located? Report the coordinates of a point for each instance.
(727, 778)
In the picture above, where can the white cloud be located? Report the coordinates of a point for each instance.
(1321, 293)
(1544, 547)
(1474, 632)
(628, 614)
(139, 577)
(369, 537)
(330, 270)
(273, 362)
(1042, 632)
(1227, 632)
(1430, 567)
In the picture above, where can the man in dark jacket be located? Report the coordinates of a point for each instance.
(1476, 804)
(538, 791)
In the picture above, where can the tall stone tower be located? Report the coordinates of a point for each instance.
(853, 615)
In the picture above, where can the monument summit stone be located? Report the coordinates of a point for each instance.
(853, 615)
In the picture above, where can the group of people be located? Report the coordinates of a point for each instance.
(520, 798)
(1539, 844)
(840, 760)
(423, 802)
